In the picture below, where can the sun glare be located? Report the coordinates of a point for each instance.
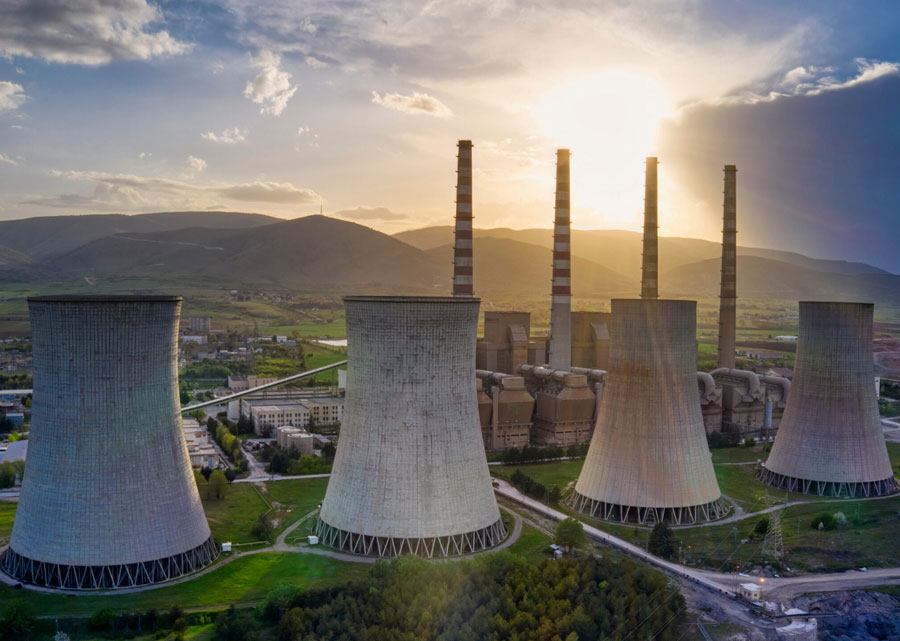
(610, 122)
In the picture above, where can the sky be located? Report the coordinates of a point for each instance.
(354, 108)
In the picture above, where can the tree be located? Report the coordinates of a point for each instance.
(662, 542)
(18, 620)
(202, 484)
(570, 534)
(279, 600)
(263, 528)
(291, 626)
(211, 425)
(184, 394)
(554, 495)
(218, 484)
(762, 526)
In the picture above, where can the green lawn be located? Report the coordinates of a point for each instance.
(246, 579)
(738, 454)
(531, 544)
(232, 518)
(7, 514)
(559, 473)
(295, 498)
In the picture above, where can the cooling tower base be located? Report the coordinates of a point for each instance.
(107, 577)
(828, 488)
(649, 515)
(427, 547)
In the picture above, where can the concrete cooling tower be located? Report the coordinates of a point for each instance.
(648, 460)
(410, 475)
(109, 500)
(830, 441)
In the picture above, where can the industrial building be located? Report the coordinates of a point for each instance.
(295, 438)
(648, 460)
(109, 500)
(505, 410)
(830, 442)
(507, 343)
(564, 405)
(410, 475)
(269, 413)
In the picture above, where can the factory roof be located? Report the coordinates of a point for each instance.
(104, 298)
(412, 299)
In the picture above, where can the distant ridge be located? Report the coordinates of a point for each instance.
(46, 236)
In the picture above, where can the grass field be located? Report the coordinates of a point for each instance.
(294, 499)
(232, 518)
(245, 579)
(7, 515)
(559, 473)
(738, 454)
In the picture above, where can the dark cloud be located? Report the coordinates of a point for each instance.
(816, 173)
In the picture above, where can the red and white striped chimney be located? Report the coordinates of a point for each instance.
(561, 302)
(650, 263)
(462, 243)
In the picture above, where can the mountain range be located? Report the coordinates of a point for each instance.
(327, 255)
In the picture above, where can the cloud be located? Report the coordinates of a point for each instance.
(145, 154)
(228, 136)
(271, 88)
(7, 160)
(195, 165)
(315, 63)
(118, 191)
(302, 130)
(11, 95)
(86, 32)
(809, 81)
(371, 213)
(418, 103)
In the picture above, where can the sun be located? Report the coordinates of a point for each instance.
(610, 121)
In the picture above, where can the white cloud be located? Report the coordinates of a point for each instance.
(315, 63)
(195, 165)
(417, 103)
(112, 191)
(145, 154)
(868, 70)
(87, 32)
(7, 160)
(227, 137)
(371, 213)
(11, 95)
(308, 26)
(302, 130)
(271, 88)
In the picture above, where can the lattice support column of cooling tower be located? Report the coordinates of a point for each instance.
(728, 291)
(109, 500)
(410, 475)
(830, 442)
(648, 460)
(560, 357)
(463, 265)
(650, 257)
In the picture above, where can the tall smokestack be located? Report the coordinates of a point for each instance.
(728, 293)
(561, 305)
(650, 265)
(462, 245)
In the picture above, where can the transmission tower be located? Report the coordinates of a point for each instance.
(773, 545)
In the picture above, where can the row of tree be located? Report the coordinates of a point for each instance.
(534, 489)
(532, 454)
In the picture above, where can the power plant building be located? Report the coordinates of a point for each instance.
(831, 442)
(410, 475)
(109, 500)
(564, 406)
(648, 460)
(505, 409)
(507, 343)
(590, 340)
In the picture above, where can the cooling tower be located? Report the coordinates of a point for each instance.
(830, 440)
(109, 500)
(648, 460)
(650, 257)
(561, 292)
(410, 475)
(462, 244)
(728, 292)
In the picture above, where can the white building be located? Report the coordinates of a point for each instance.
(272, 413)
(200, 450)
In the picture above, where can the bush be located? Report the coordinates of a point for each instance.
(718, 440)
(263, 527)
(762, 526)
(279, 600)
(662, 542)
(823, 521)
(100, 620)
(749, 442)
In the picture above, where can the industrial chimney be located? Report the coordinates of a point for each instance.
(561, 301)
(109, 500)
(650, 263)
(410, 475)
(830, 441)
(728, 293)
(462, 243)
(648, 460)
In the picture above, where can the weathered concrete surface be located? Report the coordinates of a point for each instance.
(109, 479)
(411, 462)
(649, 446)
